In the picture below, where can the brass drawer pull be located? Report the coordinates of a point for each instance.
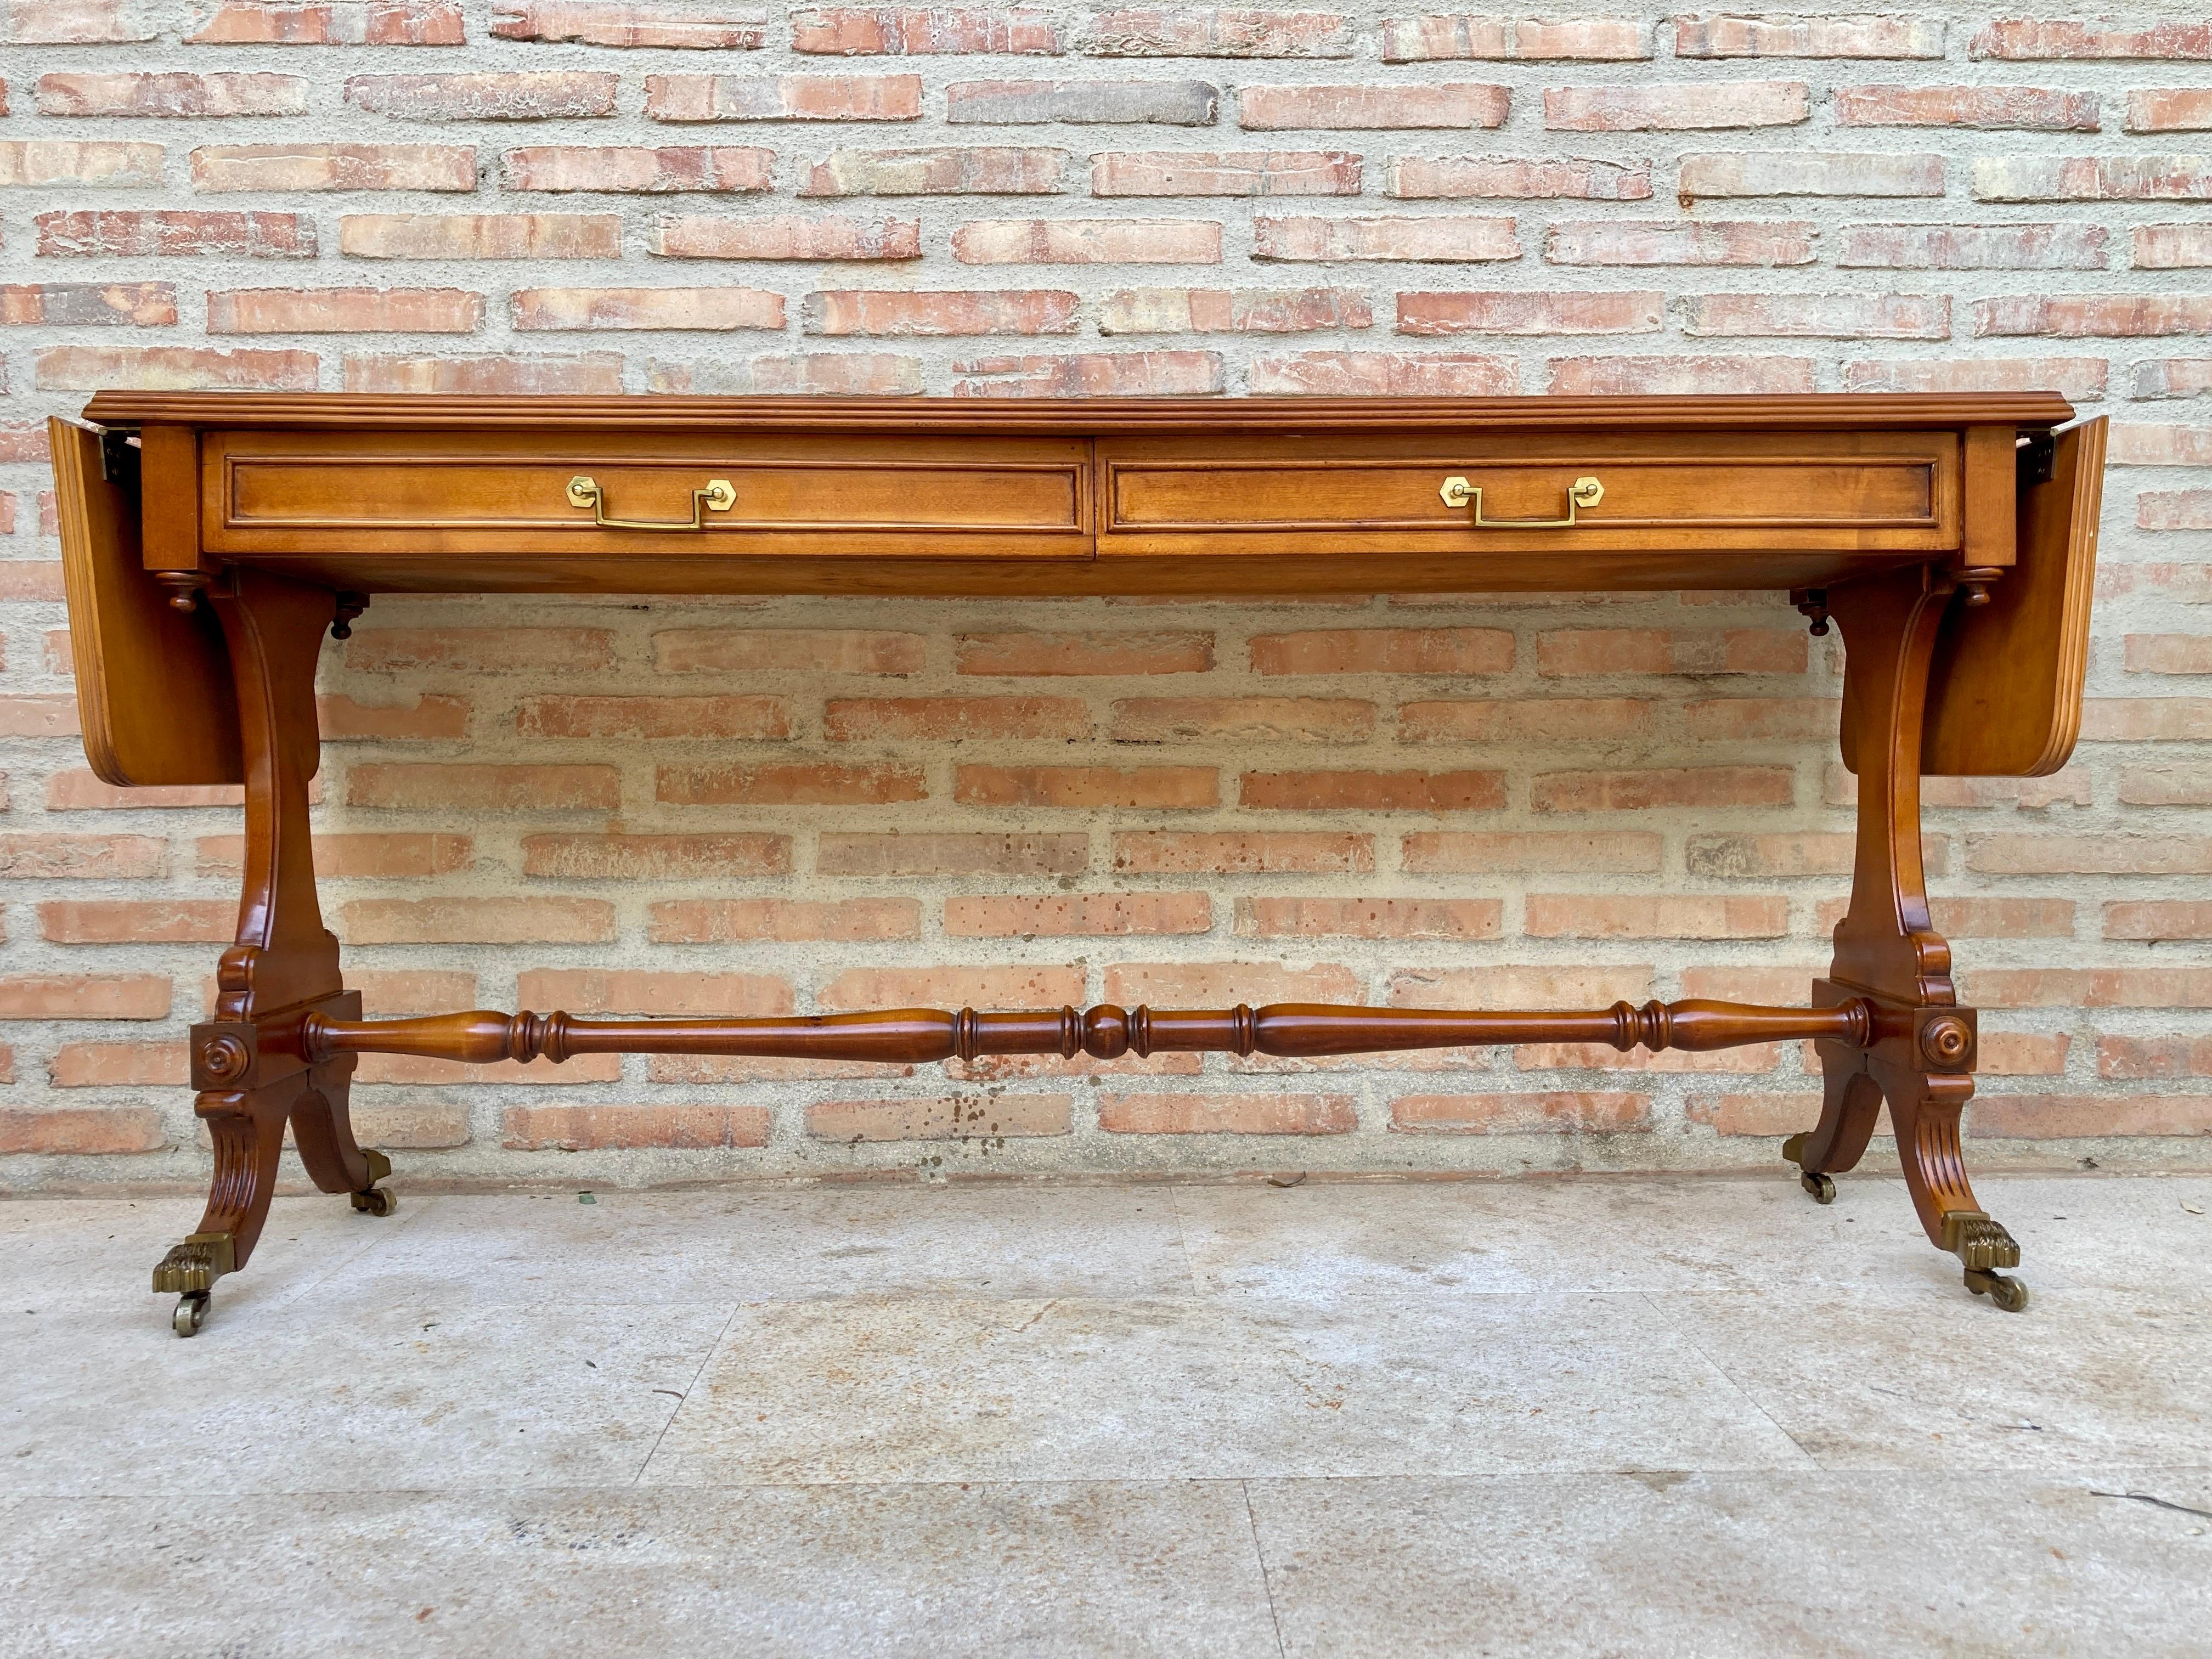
(718, 496)
(1457, 492)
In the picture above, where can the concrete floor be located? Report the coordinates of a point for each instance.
(1635, 1417)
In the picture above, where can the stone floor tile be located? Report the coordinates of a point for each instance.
(911, 1391)
(1096, 1569)
(1713, 1566)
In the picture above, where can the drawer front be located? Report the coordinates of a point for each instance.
(1850, 492)
(789, 496)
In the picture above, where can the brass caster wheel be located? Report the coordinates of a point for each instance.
(2007, 1292)
(376, 1201)
(191, 1313)
(1820, 1188)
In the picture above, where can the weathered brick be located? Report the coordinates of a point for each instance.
(1232, 1115)
(951, 171)
(344, 311)
(1263, 851)
(840, 374)
(2022, 39)
(2136, 1058)
(486, 96)
(90, 305)
(1802, 172)
(1677, 108)
(1645, 789)
(1550, 1112)
(629, 858)
(595, 1128)
(2153, 920)
(1568, 652)
(564, 714)
(786, 650)
(79, 23)
(953, 719)
(1244, 172)
(783, 97)
(2094, 178)
(1157, 788)
(2040, 109)
(2092, 315)
(1385, 650)
(718, 922)
(1374, 373)
(720, 309)
(2081, 378)
(1378, 918)
(1518, 987)
(819, 784)
(84, 996)
(664, 169)
(328, 23)
(94, 163)
(2168, 987)
(985, 1115)
(1038, 987)
(1521, 311)
(1676, 376)
(1223, 31)
(1232, 311)
(917, 31)
(480, 235)
(1664, 242)
(1512, 721)
(541, 918)
(1439, 240)
(78, 791)
(1972, 247)
(628, 23)
(1422, 40)
(952, 854)
(1851, 35)
(1467, 852)
(1304, 720)
(1086, 242)
(79, 1131)
(141, 93)
(2008, 853)
(175, 368)
(32, 855)
(2054, 1117)
(2173, 509)
(480, 650)
(900, 311)
(2170, 248)
(2176, 109)
(1065, 915)
(1572, 915)
(1373, 792)
(1083, 103)
(1414, 179)
(219, 167)
(595, 373)
(1090, 374)
(1167, 651)
(417, 786)
(1448, 104)
(787, 236)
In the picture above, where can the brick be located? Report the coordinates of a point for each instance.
(2081, 316)
(219, 167)
(2136, 1058)
(1568, 651)
(984, 1116)
(541, 918)
(1279, 851)
(1570, 915)
(2038, 109)
(894, 312)
(598, 373)
(788, 238)
(88, 305)
(1797, 717)
(1518, 311)
(1086, 241)
(1372, 374)
(640, 169)
(1429, 38)
(1302, 720)
(1223, 32)
(79, 791)
(642, 991)
(2177, 109)
(1223, 984)
(480, 650)
(480, 235)
(1222, 311)
(368, 855)
(855, 719)
(1158, 787)
(141, 94)
(117, 1064)
(1663, 242)
(2094, 178)
(1754, 1114)
(1820, 316)
(82, 23)
(1462, 851)
(1519, 986)
(2071, 1117)
(1415, 178)
(1384, 791)
(1010, 988)
(175, 368)
(628, 23)
(953, 853)
(1642, 791)
(1671, 376)
(2140, 443)
(2154, 920)
(2168, 987)
(84, 996)
(918, 31)
(1756, 1059)
(1378, 918)
(1972, 247)
(2174, 509)
(1076, 914)
(416, 785)
(2106, 853)
(1442, 240)
(1549, 1112)
(786, 650)
(847, 373)
(336, 23)
(2170, 248)
(344, 311)
(95, 163)
(1453, 651)
(2081, 378)
(1233, 1115)
(2164, 785)
(1857, 35)
(1210, 172)
(138, 921)
(426, 717)
(1059, 654)
(820, 784)
(1817, 853)
(555, 715)
(1444, 105)
(1508, 720)
(73, 1131)
(783, 97)
(1801, 173)
(1678, 107)
(720, 309)
(1090, 374)
(490, 95)
(1083, 103)
(2169, 653)
(948, 171)
(718, 921)
(2023, 39)
(595, 1128)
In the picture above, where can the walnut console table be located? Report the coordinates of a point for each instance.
(211, 541)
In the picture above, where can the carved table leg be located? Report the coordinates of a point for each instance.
(1921, 1059)
(246, 1063)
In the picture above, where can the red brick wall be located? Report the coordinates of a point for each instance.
(827, 804)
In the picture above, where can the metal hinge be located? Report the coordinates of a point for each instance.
(2037, 453)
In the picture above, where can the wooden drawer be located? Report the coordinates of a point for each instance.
(432, 493)
(1858, 492)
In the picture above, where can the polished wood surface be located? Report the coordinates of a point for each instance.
(1962, 595)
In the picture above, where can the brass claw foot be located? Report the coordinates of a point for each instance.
(2007, 1292)
(1979, 1242)
(1822, 1188)
(373, 1199)
(191, 1269)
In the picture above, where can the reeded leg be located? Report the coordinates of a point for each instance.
(247, 1127)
